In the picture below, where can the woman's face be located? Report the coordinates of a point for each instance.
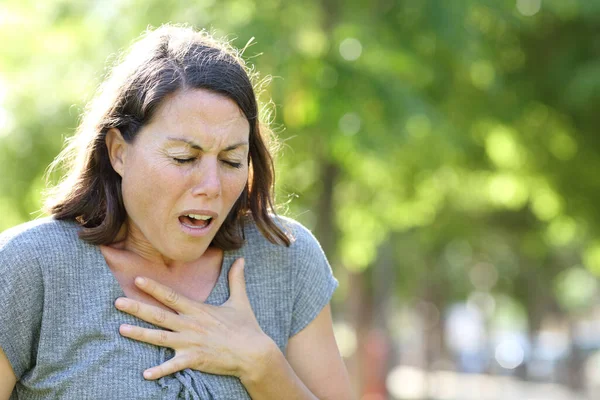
(183, 173)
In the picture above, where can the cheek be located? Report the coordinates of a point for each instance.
(234, 185)
(147, 185)
(137, 194)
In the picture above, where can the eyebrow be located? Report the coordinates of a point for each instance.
(196, 146)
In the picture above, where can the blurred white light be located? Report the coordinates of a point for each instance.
(406, 382)
(349, 124)
(465, 329)
(345, 337)
(5, 15)
(552, 345)
(529, 7)
(3, 91)
(509, 354)
(592, 370)
(350, 49)
(445, 385)
(6, 122)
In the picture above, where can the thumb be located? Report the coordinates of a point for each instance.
(237, 282)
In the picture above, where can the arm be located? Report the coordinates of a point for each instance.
(313, 369)
(7, 377)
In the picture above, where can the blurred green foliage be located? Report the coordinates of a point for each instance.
(455, 132)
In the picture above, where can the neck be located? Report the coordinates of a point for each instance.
(132, 240)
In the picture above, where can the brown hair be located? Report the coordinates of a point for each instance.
(163, 61)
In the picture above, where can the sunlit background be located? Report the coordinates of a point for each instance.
(445, 153)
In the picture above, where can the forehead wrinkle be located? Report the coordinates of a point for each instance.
(197, 146)
(204, 121)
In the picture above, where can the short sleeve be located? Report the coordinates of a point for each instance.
(314, 283)
(21, 303)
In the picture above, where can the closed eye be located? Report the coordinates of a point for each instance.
(192, 159)
(183, 160)
(233, 164)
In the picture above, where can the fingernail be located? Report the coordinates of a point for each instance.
(125, 328)
(140, 281)
(148, 374)
(121, 302)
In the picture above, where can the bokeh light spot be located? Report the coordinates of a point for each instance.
(6, 122)
(591, 258)
(529, 8)
(561, 231)
(509, 354)
(502, 148)
(546, 204)
(345, 337)
(483, 276)
(311, 42)
(349, 124)
(508, 191)
(350, 49)
(576, 288)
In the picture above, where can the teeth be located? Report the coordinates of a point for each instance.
(198, 216)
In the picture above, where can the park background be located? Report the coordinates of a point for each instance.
(445, 153)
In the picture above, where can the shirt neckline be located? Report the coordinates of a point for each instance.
(217, 295)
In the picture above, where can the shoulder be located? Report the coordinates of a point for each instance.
(29, 253)
(304, 256)
(40, 237)
(302, 239)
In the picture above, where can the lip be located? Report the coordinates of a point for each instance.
(198, 232)
(211, 214)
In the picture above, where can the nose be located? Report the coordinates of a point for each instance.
(207, 181)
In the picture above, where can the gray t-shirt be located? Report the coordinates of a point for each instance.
(59, 326)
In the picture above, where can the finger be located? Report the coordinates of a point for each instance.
(237, 281)
(152, 314)
(177, 363)
(156, 337)
(166, 295)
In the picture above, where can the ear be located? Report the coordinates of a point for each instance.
(117, 149)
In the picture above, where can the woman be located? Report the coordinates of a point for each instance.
(162, 255)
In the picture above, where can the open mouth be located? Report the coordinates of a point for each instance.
(196, 221)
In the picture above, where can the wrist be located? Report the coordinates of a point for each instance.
(264, 357)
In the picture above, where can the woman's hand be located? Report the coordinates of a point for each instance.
(222, 340)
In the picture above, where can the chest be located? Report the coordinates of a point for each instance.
(80, 345)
